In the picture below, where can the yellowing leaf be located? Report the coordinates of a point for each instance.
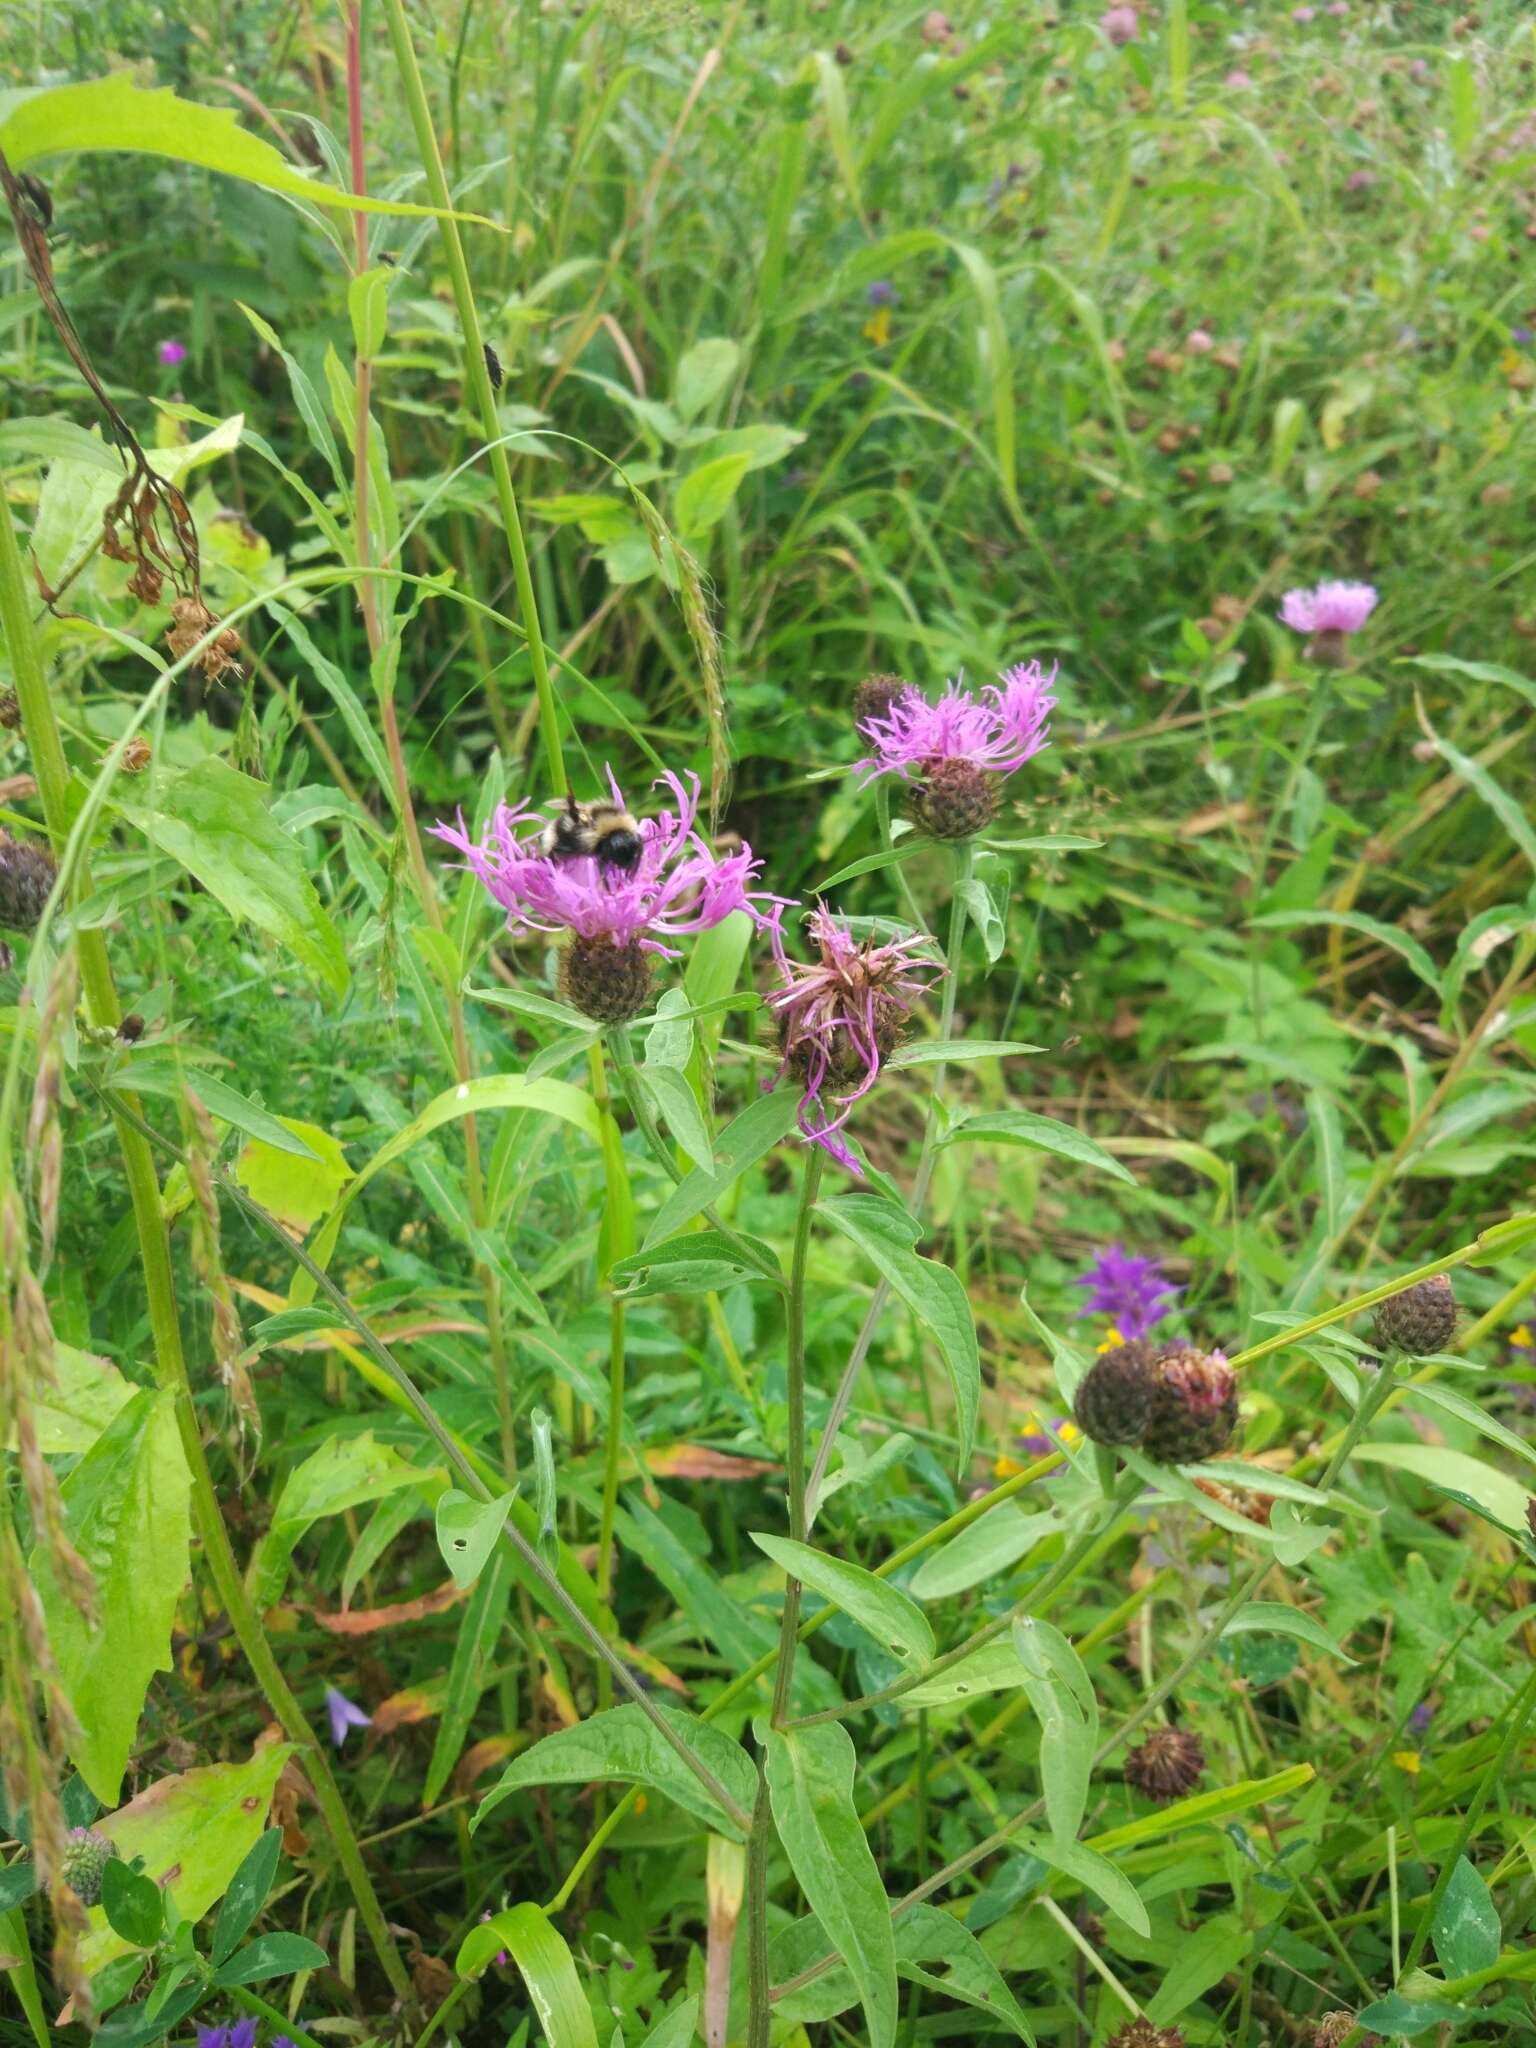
(297, 1191)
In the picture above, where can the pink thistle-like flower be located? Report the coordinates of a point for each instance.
(953, 751)
(1239, 79)
(1330, 608)
(1120, 24)
(842, 1016)
(677, 885)
(171, 353)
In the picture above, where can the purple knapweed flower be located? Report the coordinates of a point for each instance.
(881, 292)
(1334, 609)
(1128, 1288)
(344, 1714)
(952, 753)
(1120, 24)
(171, 353)
(616, 915)
(841, 1017)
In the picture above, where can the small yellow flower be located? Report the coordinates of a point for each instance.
(1004, 1468)
(1113, 1340)
(1522, 1337)
(877, 328)
(1070, 1433)
(1407, 1760)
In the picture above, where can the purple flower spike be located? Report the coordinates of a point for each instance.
(996, 731)
(171, 353)
(1129, 1289)
(213, 2037)
(841, 1017)
(1330, 608)
(676, 886)
(243, 2034)
(344, 1714)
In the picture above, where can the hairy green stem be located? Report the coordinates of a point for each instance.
(103, 1009)
(479, 380)
(619, 1232)
(920, 1184)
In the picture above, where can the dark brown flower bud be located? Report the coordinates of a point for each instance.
(1194, 1406)
(954, 799)
(1114, 1398)
(26, 876)
(875, 696)
(86, 1855)
(1419, 1320)
(10, 711)
(1167, 1765)
(606, 982)
(1142, 2034)
(492, 365)
(131, 1030)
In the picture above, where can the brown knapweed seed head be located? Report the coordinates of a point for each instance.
(26, 876)
(954, 799)
(1419, 1320)
(1194, 1406)
(606, 982)
(86, 1855)
(1335, 2027)
(1142, 2034)
(1167, 1765)
(875, 695)
(1114, 1397)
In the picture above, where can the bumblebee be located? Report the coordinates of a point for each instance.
(600, 832)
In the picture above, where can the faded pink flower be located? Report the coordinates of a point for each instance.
(1303, 14)
(1120, 24)
(841, 1017)
(1238, 79)
(676, 886)
(171, 353)
(1330, 608)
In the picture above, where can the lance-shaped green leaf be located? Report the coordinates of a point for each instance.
(810, 1789)
(895, 1620)
(624, 1746)
(548, 1970)
(886, 1234)
(1061, 1693)
(1040, 1134)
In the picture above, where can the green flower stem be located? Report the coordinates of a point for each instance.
(1483, 1249)
(1212, 1633)
(899, 868)
(940, 1533)
(1070, 1565)
(758, 2008)
(252, 2002)
(927, 1159)
(618, 1237)
(479, 381)
(1495, 1774)
(526, 1552)
(103, 1009)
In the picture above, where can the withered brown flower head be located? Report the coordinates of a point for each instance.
(1167, 1765)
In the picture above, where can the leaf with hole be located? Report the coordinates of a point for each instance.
(467, 1530)
(895, 1621)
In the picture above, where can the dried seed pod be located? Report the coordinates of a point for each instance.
(1167, 1765)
